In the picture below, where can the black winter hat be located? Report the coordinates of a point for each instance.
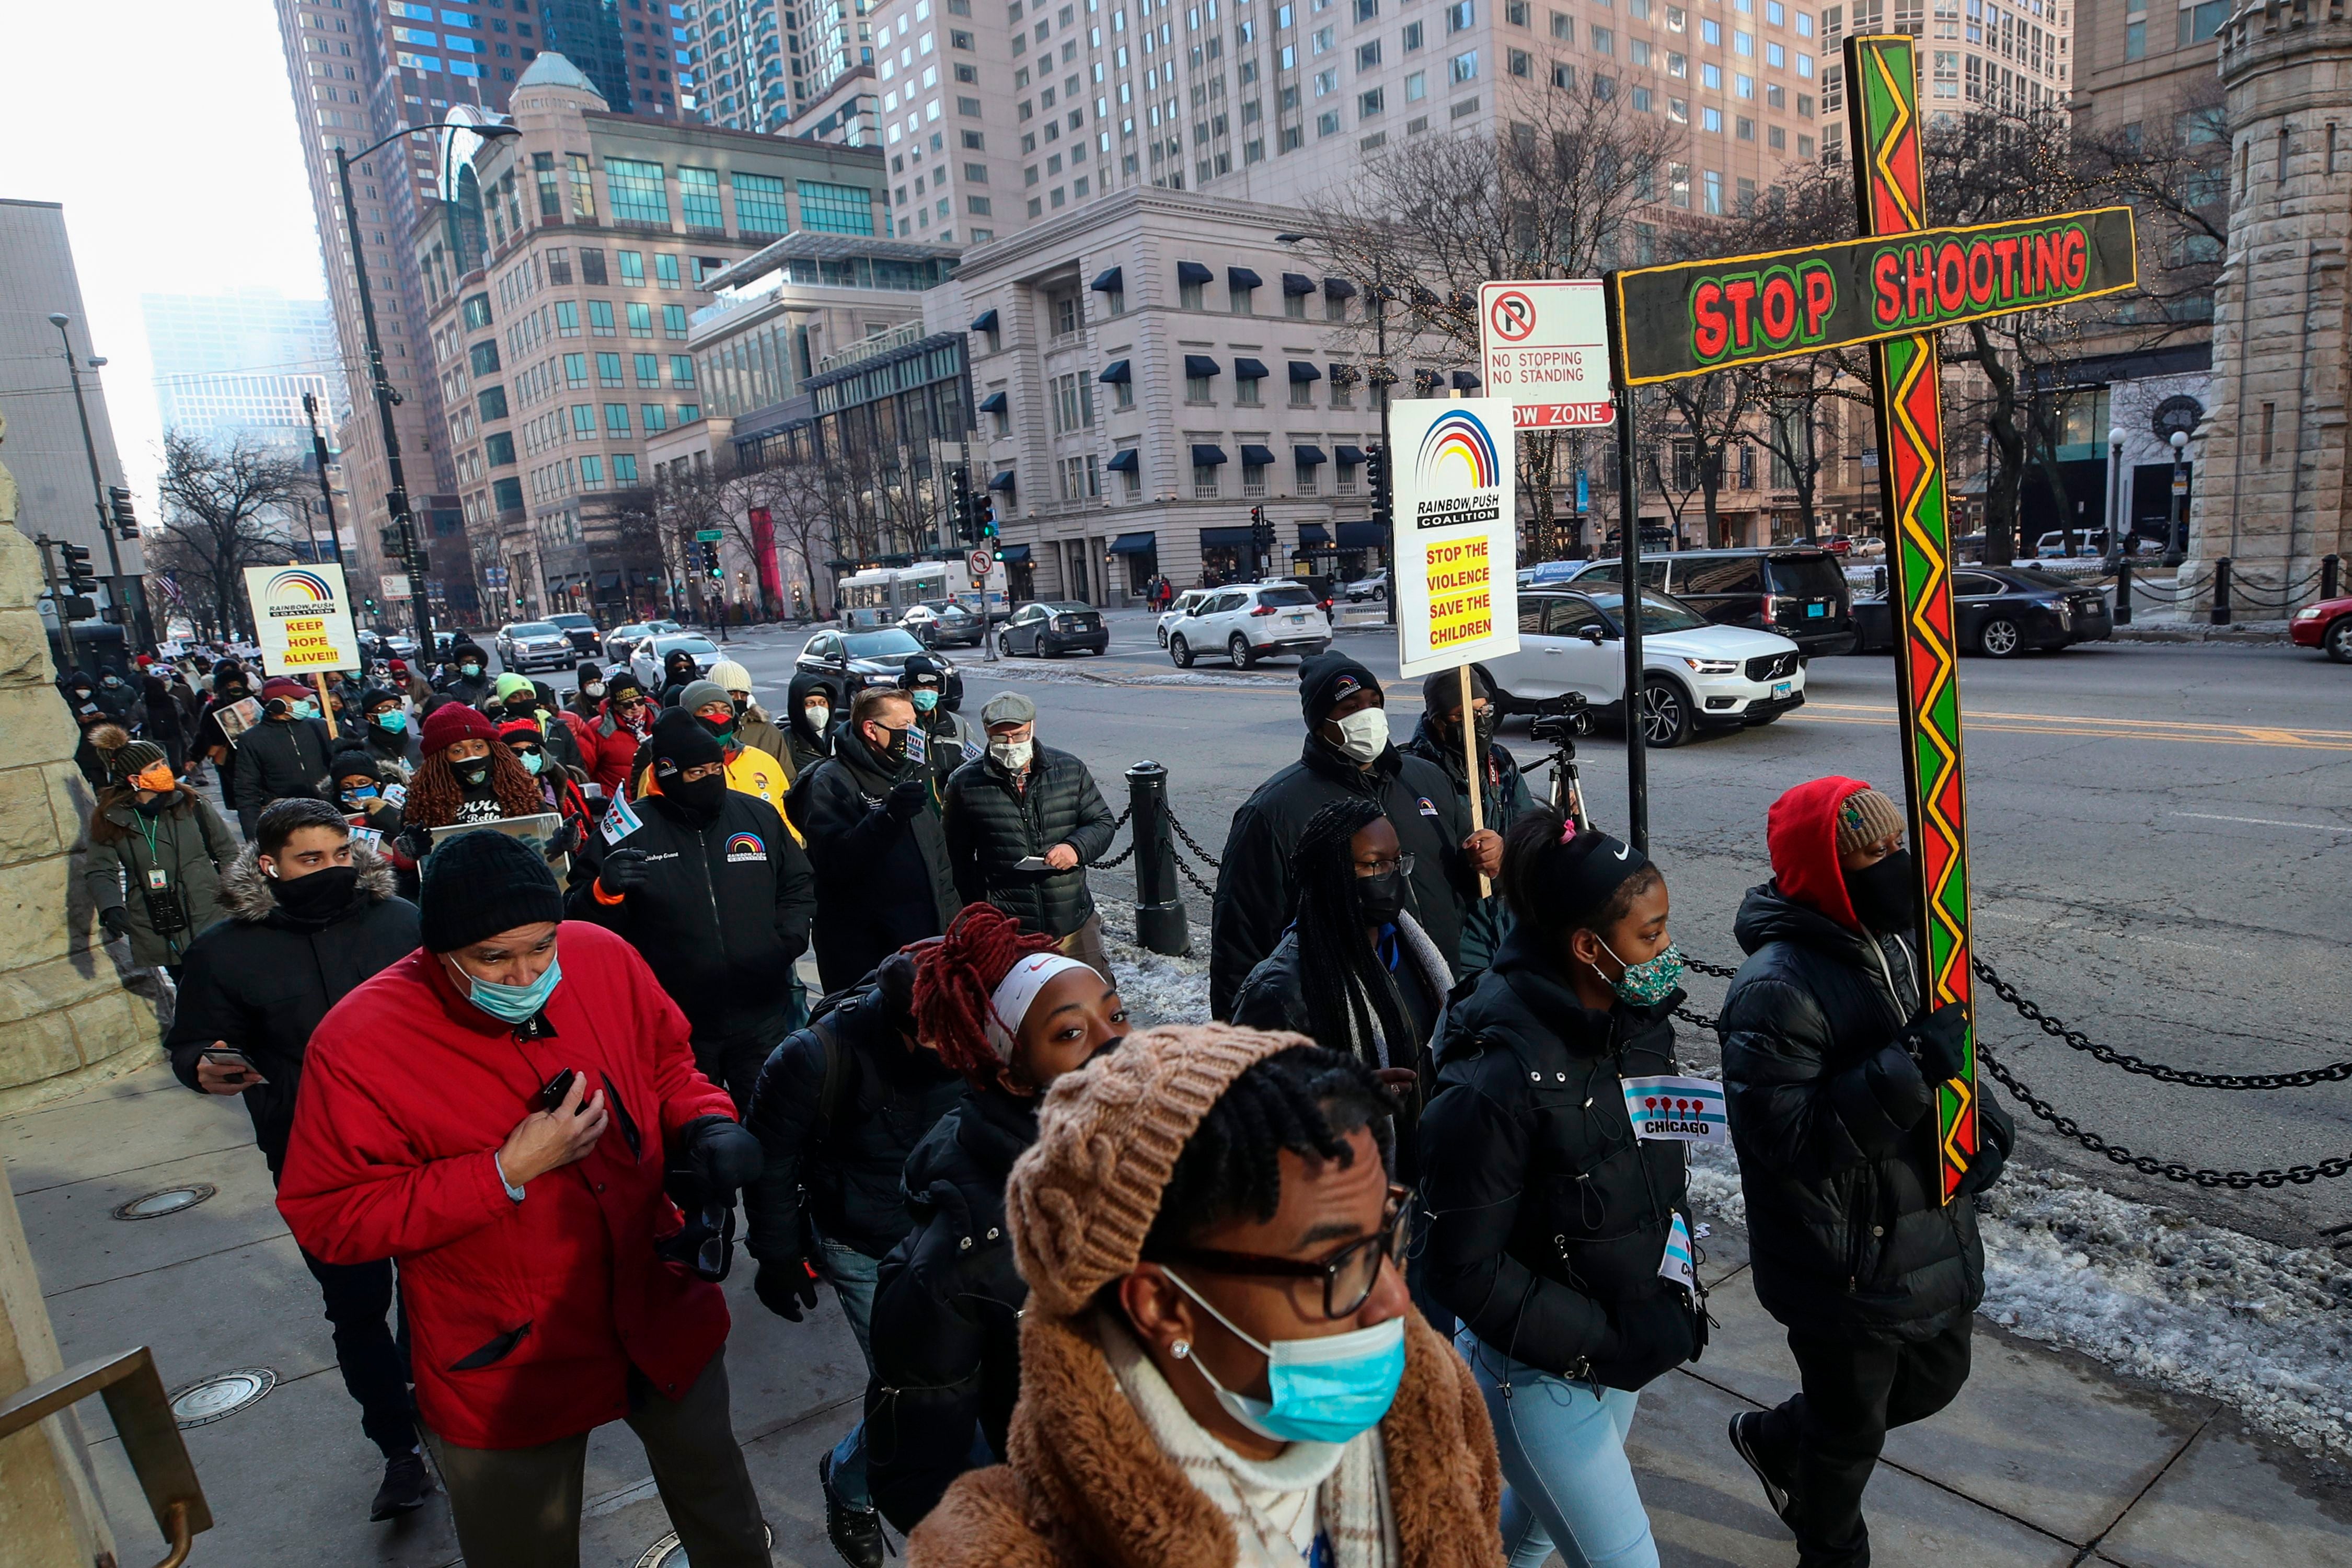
(680, 741)
(375, 697)
(1328, 678)
(590, 671)
(480, 883)
(353, 765)
(1442, 692)
(919, 665)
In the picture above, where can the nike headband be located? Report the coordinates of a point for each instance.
(1576, 876)
(1016, 991)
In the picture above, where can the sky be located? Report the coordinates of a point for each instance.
(168, 130)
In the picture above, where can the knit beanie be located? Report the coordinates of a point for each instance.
(1082, 1198)
(353, 765)
(452, 723)
(478, 884)
(730, 676)
(590, 671)
(679, 743)
(510, 727)
(1866, 817)
(376, 697)
(1442, 692)
(696, 695)
(623, 684)
(137, 757)
(1327, 679)
(509, 684)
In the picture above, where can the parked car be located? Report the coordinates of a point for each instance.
(1189, 600)
(2051, 546)
(1697, 674)
(1799, 591)
(940, 622)
(2325, 625)
(1048, 626)
(523, 645)
(652, 653)
(581, 629)
(2001, 611)
(1251, 621)
(853, 661)
(1372, 587)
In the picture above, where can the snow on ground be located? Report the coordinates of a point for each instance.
(2192, 1307)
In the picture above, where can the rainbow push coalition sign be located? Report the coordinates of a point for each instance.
(1457, 549)
(302, 618)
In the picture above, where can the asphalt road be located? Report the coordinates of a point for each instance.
(2158, 836)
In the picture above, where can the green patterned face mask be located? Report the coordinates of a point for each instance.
(1647, 984)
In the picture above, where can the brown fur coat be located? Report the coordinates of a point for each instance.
(1086, 1486)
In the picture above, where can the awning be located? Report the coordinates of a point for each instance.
(1313, 534)
(1114, 372)
(1206, 456)
(1129, 461)
(985, 322)
(1200, 365)
(1135, 543)
(1111, 282)
(1348, 456)
(1297, 283)
(1227, 538)
(1361, 534)
(607, 581)
(1306, 457)
(1003, 481)
(1465, 380)
(1014, 555)
(993, 403)
(1192, 272)
(1242, 277)
(1249, 370)
(1256, 457)
(1338, 289)
(1300, 370)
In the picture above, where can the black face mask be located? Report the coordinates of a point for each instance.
(697, 802)
(474, 775)
(320, 895)
(1886, 896)
(896, 754)
(1382, 897)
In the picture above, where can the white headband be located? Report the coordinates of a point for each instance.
(1016, 991)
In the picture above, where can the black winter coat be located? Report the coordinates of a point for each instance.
(262, 979)
(1256, 900)
(1547, 1217)
(838, 1158)
(723, 912)
(946, 1312)
(1485, 921)
(1835, 1132)
(881, 883)
(992, 824)
(809, 748)
(280, 759)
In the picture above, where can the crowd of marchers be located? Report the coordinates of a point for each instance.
(1369, 1272)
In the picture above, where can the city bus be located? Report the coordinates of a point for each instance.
(880, 595)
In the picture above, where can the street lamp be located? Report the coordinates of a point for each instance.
(134, 600)
(386, 399)
(2115, 550)
(2176, 541)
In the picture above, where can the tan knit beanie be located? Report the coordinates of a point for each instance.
(1866, 817)
(1082, 1198)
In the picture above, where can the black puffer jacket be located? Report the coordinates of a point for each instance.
(881, 882)
(1547, 1217)
(1256, 900)
(837, 1156)
(1835, 1132)
(262, 979)
(280, 759)
(992, 824)
(947, 1313)
(1485, 921)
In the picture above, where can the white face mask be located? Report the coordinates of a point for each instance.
(1012, 756)
(818, 716)
(1364, 734)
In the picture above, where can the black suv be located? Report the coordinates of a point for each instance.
(1797, 591)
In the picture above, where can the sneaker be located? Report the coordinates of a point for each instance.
(405, 1488)
(1746, 1441)
(855, 1532)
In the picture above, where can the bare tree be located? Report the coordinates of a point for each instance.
(227, 507)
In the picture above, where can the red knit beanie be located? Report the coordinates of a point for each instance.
(452, 723)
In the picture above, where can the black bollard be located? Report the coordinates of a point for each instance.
(2123, 591)
(2221, 592)
(2329, 566)
(1160, 923)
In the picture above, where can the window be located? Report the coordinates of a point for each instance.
(1204, 481)
(600, 318)
(498, 449)
(641, 320)
(1306, 477)
(665, 270)
(1461, 16)
(592, 266)
(1412, 36)
(681, 369)
(647, 368)
(639, 194)
(2199, 23)
(1197, 388)
(575, 369)
(760, 205)
(624, 467)
(1190, 296)
(1518, 63)
(1368, 56)
(654, 417)
(1714, 186)
(583, 421)
(836, 209)
(484, 357)
(1368, 105)
(1602, 41)
(616, 419)
(1253, 477)
(1563, 27)
(506, 495)
(477, 311)
(592, 472)
(697, 199)
(633, 268)
(1465, 67)
(608, 370)
(1416, 86)
(490, 403)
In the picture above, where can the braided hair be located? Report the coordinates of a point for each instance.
(1351, 1002)
(956, 979)
(433, 792)
(1305, 1099)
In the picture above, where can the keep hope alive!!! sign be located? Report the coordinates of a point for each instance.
(1456, 532)
(302, 619)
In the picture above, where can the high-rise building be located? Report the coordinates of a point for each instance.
(2133, 69)
(2011, 56)
(239, 364)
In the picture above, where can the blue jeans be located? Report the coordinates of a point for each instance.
(852, 1275)
(1567, 1480)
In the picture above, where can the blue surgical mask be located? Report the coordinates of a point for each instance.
(924, 698)
(470, 670)
(1651, 981)
(531, 760)
(305, 710)
(395, 722)
(512, 1004)
(1325, 1390)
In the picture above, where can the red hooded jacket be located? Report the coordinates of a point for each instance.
(608, 747)
(1800, 831)
(407, 1092)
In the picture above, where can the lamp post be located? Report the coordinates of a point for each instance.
(135, 599)
(2115, 550)
(2175, 538)
(386, 399)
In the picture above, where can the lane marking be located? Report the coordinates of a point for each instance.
(2085, 730)
(2257, 733)
(2265, 822)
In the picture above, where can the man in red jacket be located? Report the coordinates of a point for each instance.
(497, 1112)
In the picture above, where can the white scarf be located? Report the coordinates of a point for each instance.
(1277, 1506)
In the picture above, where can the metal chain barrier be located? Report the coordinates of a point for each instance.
(2334, 1072)
(1106, 865)
(1189, 843)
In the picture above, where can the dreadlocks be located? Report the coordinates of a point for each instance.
(1305, 1099)
(434, 793)
(955, 979)
(1352, 1004)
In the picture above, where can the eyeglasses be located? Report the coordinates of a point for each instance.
(1349, 1275)
(527, 751)
(1401, 864)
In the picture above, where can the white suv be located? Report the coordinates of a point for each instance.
(1189, 600)
(1250, 621)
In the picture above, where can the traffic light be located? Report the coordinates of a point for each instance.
(393, 541)
(1376, 479)
(81, 578)
(967, 524)
(371, 605)
(126, 522)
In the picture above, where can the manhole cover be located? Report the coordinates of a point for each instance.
(170, 1200)
(667, 1554)
(217, 1398)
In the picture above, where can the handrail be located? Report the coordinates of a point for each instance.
(141, 1414)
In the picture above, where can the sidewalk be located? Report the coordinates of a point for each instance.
(2046, 1458)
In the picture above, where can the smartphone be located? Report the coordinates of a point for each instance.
(1030, 863)
(225, 1057)
(557, 1088)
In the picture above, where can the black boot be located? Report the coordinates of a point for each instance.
(405, 1487)
(855, 1532)
(1748, 1442)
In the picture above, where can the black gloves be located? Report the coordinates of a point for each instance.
(906, 798)
(117, 921)
(623, 873)
(786, 1287)
(567, 838)
(1938, 1042)
(721, 1154)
